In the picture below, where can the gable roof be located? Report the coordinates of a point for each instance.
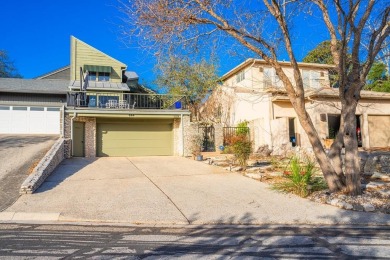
(39, 86)
(252, 61)
(53, 72)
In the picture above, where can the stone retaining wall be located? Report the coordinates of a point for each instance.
(45, 167)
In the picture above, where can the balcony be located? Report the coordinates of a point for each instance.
(123, 101)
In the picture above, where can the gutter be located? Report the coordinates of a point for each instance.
(71, 128)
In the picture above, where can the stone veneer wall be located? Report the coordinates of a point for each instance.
(44, 168)
(89, 135)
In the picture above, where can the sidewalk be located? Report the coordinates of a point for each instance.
(168, 191)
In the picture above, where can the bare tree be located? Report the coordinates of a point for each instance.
(265, 27)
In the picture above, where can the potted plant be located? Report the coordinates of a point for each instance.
(196, 146)
(328, 141)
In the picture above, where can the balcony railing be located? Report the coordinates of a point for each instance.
(103, 100)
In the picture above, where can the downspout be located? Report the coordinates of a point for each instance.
(63, 121)
(182, 134)
(71, 129)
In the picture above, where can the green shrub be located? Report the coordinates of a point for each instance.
(243, 128)
(242, 148)
(300, 179)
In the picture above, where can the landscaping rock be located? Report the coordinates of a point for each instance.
(221, 163)
(253, 169)
(375, 184)
(264, 151)
(368, 207)
(358, 207)
(346, 205)
(380, 176)
(251, 162)
(236, 169)
(334, 202)
(275, 174)
(385, 193)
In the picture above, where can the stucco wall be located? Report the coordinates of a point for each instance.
(178, 135)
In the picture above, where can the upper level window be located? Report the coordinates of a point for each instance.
(92, 75)
(98, 76)
(240, 76)
(311, 79)
(104, 76)
(271, 80)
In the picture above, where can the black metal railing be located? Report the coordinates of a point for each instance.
(230, 132)
(87, 99)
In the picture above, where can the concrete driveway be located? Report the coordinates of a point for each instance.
(18, 153)
(168, 190)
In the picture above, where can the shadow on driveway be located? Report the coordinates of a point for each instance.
(65, 170)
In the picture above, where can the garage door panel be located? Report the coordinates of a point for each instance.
(150, 143)
(30, 120)
(379, 133)
(129, 152)
(151, 138)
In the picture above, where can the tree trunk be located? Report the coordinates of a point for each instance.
(335, 182)
(352, 161)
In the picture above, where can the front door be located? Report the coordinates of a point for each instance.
(78, 139)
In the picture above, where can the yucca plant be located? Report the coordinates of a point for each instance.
(299, 178)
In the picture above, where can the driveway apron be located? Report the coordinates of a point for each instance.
(173, 190)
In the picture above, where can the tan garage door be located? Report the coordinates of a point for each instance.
(379, 131)
(135, 138)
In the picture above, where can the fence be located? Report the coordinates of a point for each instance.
(230, 132)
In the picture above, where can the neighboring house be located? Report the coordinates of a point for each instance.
(32, 106)
(253, 92)
(105, 112)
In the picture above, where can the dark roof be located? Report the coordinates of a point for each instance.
(54, 72)
(43, 86)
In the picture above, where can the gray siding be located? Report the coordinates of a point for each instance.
(32, 99)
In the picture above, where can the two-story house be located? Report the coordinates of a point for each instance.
(253, 92)
(98, 105)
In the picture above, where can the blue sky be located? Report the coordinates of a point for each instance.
(36, 35)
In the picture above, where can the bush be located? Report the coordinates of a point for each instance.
(242, 128)
(300, 179)
(196, 144)
(242, 148)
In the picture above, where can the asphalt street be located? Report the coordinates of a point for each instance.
(36, 241)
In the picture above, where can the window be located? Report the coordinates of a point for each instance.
(98, 76)
(53, 109)
(37, 109)
(240, 76)
(271, 80)
(311, 79)
(20, 108)
(92, 75)
(4, 108)
(104, 76)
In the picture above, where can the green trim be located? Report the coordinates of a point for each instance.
(97, 68)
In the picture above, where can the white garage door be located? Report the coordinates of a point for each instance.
(29, 120)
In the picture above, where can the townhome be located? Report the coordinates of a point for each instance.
(253, 92)
(100, 108)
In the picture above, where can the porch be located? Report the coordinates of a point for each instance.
(124, 101)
